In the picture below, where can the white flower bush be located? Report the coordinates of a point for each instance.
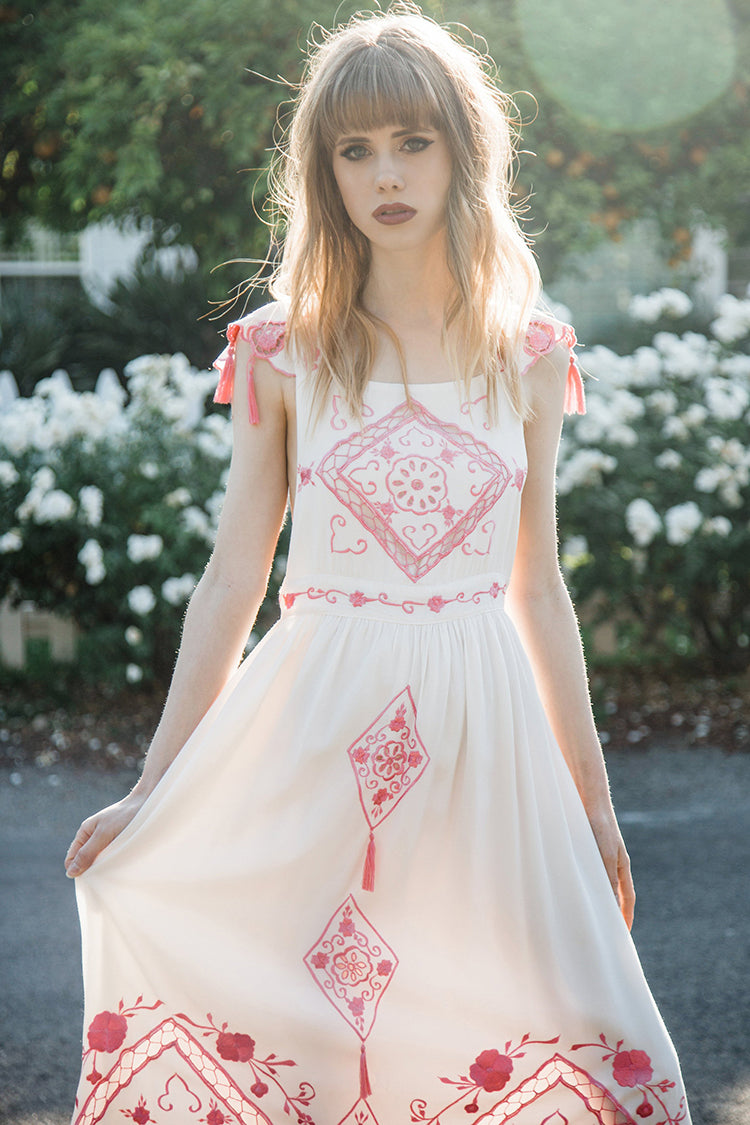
(656, 476)
(109, 506)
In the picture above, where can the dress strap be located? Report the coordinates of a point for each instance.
(267, 339)
(542, 337)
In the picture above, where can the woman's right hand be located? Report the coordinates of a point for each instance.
(98, 831)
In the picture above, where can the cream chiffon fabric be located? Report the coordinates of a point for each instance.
(367, 891)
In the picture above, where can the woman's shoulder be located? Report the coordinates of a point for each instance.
(264, 329)
(545, 333)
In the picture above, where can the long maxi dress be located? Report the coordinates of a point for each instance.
(366, 892)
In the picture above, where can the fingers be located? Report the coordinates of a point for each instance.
(88, 841)
(626, 893)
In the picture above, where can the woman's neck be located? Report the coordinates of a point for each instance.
(406, 288)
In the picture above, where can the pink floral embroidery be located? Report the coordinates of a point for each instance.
(541, 337)
(107, 1031)
(140, 1114)
(343, 541)
(491, 1070)
(440, 466)
(632, 1069)
(350, 980)
(236, 1048)
(388, 759)
(358, 599)
(268, 339)
(305, 476)
(177, 1034)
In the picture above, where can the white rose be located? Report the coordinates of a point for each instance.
(178, 499)
(8, 474)
(719, 525)
(141, 600)
(91, 503)
(726, 401)
(642, 521)
(144, 547)
(54, 506)
(92, 557)
(149, 470)
(133, 674)
(670, 459)
(133, 635)
(11, 541)
(176, 591)
(681, 522)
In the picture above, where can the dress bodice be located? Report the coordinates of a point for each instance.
(416, 511)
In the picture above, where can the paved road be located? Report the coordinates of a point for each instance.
(686, 818)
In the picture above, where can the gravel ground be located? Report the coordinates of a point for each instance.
(685, 814)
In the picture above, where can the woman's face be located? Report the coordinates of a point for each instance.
(394, 184)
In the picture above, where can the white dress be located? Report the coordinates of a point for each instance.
(366, 891)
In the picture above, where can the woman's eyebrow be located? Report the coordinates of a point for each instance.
(395, 133)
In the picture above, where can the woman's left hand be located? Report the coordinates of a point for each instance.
(616, 861)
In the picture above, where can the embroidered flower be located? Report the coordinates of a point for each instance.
(107, 1031)
(94, 1076)
(632, 1068)
(235, 1047)
(540, 338)
(491, 1070)
(417, 484)
(381, 796)
(320, 960)
(259, 1089)
(386, 509)
(268, 339)
(436, 604)
(518, 478)
(415, 758)
(140, 1114)
(352, 966)
(387, 451)
(398, 722)
(384, 968)
(233, 332)
(357, 598)
(215, 1116)
(448, 455)
(645, 1109)
(449, 513)
(289, 600)
(357, 1006)
(390, 760)
(305, 476)
(346, 927)
(494, 589)
(361, 755)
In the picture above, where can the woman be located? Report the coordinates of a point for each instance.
(374, 874)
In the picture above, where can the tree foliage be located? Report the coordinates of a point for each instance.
(155, 111)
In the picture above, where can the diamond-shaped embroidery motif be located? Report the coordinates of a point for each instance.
(388, 758)
(353, 966)
(418, 484)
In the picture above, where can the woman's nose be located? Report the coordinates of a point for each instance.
(387, 176)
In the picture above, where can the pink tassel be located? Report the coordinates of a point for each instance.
(364, 1079)
(224, 390)
(575, 400)
(368, 875)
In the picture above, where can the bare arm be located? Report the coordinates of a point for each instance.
(225, 602)
(540, 607)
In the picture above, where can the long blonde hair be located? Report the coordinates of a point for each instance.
(402, 68)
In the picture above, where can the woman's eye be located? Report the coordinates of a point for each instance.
(354, 152)
(416, 144)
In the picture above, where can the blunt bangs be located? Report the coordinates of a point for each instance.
(376, 86)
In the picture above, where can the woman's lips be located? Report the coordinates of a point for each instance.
(391, 214)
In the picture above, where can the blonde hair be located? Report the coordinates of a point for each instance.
(402, 68)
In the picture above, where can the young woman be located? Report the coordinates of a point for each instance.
(374, 876)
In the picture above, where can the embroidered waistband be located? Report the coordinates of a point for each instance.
(423, 604)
